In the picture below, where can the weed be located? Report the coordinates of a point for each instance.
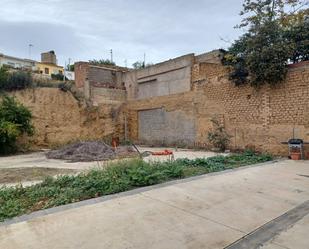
(114, 178)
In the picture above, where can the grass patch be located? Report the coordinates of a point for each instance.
(115, 178)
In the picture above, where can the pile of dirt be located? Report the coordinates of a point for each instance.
(83, 152)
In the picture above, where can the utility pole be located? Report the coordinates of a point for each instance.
(30, 46)
(111, 55)
(144, 64)
(65, 64)
(69, 68)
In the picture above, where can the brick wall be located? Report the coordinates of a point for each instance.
(99, 76)
(81, 73)
(256, 118)
(100, 84)
(102, 95)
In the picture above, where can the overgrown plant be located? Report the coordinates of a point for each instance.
(141, 64)
(12, 81)
(218, 137)
(15, 120)
(277, 34)
(58, 77)
(113, 178)
(102, 62)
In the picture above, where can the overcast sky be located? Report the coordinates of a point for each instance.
(88, 29)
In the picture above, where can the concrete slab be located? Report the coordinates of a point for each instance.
(237, 201)
(38, 159)
(178, 153)
(209, 212)
(130, 222)
(295, 237)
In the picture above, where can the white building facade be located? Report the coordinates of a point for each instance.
(15, 62)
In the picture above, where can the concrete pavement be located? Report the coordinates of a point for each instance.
(211, 211)
(38, 159)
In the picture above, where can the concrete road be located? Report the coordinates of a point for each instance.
(245, 208)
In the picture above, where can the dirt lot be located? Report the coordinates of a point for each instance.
(15, 175)
(35, 166)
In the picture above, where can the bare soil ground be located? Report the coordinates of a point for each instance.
(14, 175)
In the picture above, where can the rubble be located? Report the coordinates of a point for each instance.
(83, 152)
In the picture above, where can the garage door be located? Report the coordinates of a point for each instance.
(160, 126)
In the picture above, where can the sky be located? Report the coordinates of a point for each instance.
(81, 30)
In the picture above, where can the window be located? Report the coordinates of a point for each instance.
(46, 70)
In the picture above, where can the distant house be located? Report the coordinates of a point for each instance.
(46, 67)
(15, 62)
(48, 64)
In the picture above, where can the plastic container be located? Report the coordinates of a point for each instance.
(295, 155)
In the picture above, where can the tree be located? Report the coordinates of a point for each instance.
(141, 64)
(272, 40)
(102, 62)
(15, 120)
(259, 12)
(70, 68)
(138, 65)
(298, 36)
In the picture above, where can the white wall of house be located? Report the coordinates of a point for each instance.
(16, 62)
(70, 75)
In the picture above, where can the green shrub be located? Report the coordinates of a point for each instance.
(58, 76)
(15, 120)
(19, 80)
(14, 81)
(116, 177)
(4, 75)
(218, 137)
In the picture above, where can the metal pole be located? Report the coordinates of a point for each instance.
(144, 60)
(64, 70)
(111, 55)
(30, 45)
